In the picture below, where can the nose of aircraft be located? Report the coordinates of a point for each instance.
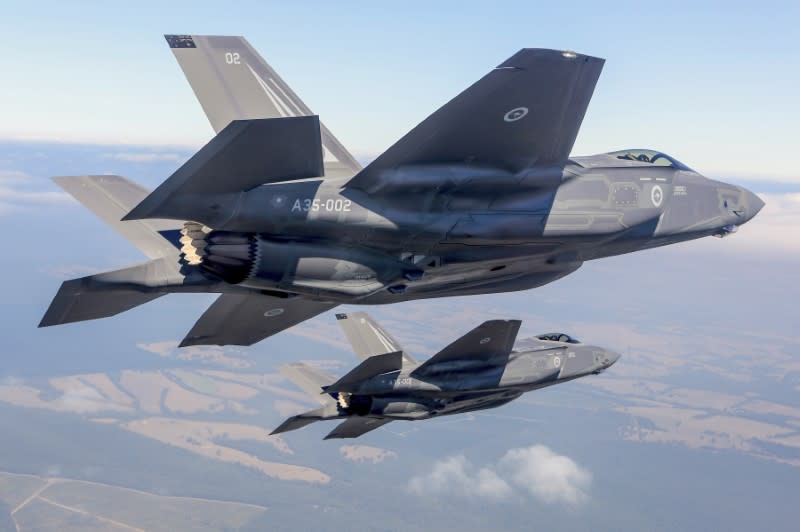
(752, 204)
(610, 358)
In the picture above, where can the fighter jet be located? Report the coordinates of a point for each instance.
(482, 369)
(481, 197)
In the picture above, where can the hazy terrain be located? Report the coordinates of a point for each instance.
(107, 425)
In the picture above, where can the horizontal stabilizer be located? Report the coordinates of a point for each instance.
(309, 379)
(367, 337)
(355, 426)
(244, 319)
(111, 197)
(490, 342)
(107, 294)
(374, 365)
(524, 113)
(301, 420)
(244, 155)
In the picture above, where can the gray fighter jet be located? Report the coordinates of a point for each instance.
(481, 197)
(482, 369)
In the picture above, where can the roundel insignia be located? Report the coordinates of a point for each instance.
(278, 201)
(557, 362)
(485, 340)
(515, 114)
(657, 195)
(271, 313)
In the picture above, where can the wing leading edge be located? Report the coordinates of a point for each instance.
(524, 113)
(490, 342)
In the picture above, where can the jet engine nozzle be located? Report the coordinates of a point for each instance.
(224, 255)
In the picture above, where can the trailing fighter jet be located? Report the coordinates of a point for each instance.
(482, 369)
(481, 197)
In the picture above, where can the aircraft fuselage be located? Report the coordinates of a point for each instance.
(480, 230)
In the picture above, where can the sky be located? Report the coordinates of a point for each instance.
(714, 84)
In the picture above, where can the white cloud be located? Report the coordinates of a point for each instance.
(534, 471)
(12, 177)
(457, 476)
(546, 475)
(13, 195)
(82, 400)
(366, 453)
(19, 191)
(205, 354)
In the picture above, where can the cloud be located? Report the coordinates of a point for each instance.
(13, 177)
(457, 476)
(534, 471)
(12, 195)
(366, 453)
(82, 400)
(134, 157)
(205, 354)
(19, 191)
(548, 476)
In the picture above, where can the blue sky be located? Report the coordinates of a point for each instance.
(713, 84)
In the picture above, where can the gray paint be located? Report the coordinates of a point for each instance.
(481, 197)
(483, 369)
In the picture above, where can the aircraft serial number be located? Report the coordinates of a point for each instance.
(316, 204)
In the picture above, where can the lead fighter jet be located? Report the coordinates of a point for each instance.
(481, 197)
(482, 369)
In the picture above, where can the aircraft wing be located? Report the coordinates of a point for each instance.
(491, 340)
(233, 82)
(244, 319)
(526, 112)
(354, 427)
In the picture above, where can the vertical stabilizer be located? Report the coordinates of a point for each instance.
(368, 338)
(233, 82)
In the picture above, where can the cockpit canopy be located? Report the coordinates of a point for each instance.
(656, 158)
(558, 337)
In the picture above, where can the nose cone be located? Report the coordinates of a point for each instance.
(751, 203)
(610, 358)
